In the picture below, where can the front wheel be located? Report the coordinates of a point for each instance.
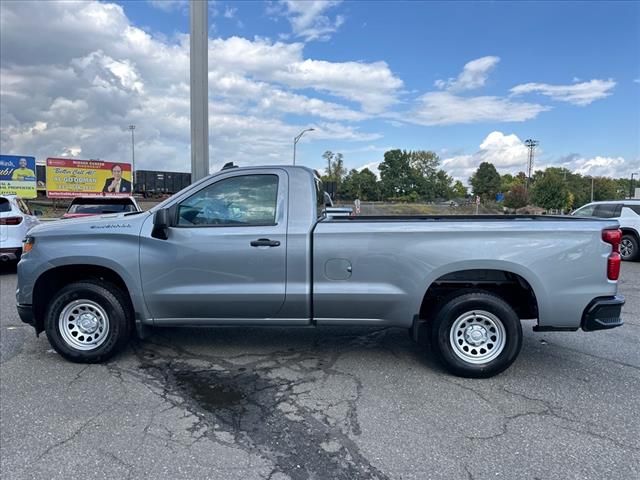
(629, 250)
(88, 322)
(476, 335)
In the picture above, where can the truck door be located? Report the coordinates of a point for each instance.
(225, 257)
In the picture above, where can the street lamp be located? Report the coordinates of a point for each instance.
(133, 157)
(295, 141)
(631, 184)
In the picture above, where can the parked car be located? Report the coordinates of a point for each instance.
(627, 213)
(258, 246)
(88, 206)
(16, 219)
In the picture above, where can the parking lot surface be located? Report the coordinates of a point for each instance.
(334, 403)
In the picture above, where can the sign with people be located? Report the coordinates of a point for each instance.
(71, 178)
(18, 176)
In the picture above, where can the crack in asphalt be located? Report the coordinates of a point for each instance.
(547, 410)
(606, 359)
(265, 404)
(77, 431)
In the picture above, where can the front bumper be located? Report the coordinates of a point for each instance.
(603, 313)
(26, 314)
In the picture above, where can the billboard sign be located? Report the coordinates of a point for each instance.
(68, 177)
(18, 176)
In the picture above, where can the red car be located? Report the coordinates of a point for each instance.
(88, 206)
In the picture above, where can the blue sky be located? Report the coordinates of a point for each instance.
(470, 80)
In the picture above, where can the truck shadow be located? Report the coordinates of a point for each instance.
(8, 268)
(359, 345)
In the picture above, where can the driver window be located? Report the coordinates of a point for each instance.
(236, 201)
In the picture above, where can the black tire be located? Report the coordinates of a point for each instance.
(113, 302)
(629, 248)
(489, 312)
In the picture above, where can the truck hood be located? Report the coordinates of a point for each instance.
(114, 222)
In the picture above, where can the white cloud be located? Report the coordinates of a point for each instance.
(450, 107)
(445, 108)
(99, 74)
(374, 167)
(229, 12)
(507, 152)
(599, 166)
(578, 93)
(308, 18)
(372, 85)
(473, 75)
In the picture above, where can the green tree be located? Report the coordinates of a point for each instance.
(425, 162)
(550, 191)
(516, 197)
(607, 189)
(363, 185)
(398, 179)
(486, 181)
(459, 190)
(506, 182)
(335, 171)
(328, 158)
(443, 185)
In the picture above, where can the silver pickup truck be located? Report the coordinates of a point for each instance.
(257, 246)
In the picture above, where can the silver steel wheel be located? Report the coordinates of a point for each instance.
(626, 248)
(84, 325)
(477, 337)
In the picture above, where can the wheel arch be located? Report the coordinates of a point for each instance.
(53, 279)
(631, 231)
(512, 283)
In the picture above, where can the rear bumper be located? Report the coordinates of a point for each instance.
(10, 254)
(603, 313)
(26, 314)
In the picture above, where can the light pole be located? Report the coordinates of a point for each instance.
(631, 184)
(133, 157)
(295, 141)
(531, 145)
(199, 88)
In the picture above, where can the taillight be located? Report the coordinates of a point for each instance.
(10, 220)
(613, 238)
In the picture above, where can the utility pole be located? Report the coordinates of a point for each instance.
(531, 145)
(133, 157)
(199, 90)
(296, 139)
(631, 192)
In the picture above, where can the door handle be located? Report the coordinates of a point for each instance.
(265, 242)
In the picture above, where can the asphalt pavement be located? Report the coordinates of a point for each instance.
(334, 403)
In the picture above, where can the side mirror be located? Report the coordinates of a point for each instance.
(161, 224)
(327, 200)
(37, 213)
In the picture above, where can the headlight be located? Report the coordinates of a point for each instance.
(27, 244)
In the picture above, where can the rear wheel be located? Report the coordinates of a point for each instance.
(476, 334)
(88, 322)
(629, 249)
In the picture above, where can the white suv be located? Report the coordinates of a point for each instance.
(15, 221)
(627, 212)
